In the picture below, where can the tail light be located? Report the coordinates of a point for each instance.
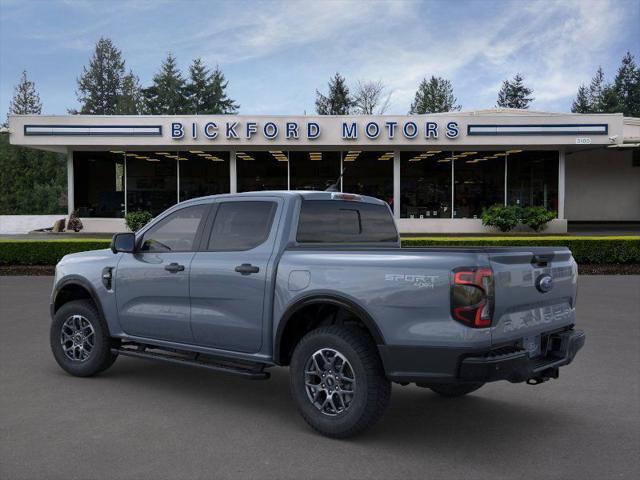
(472, 296)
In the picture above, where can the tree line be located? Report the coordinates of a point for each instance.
(106, 88)
(34, 182)
(435, 95)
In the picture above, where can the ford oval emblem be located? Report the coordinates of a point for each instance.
(544, 283)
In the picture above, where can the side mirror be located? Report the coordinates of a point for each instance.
(123, 242)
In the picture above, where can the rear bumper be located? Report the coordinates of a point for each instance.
(447, 365)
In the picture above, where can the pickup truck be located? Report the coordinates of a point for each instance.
(318, 282)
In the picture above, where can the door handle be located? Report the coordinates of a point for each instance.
(174, 268)
(247, 268)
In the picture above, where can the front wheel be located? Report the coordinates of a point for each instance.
(80, 340)
(338, 382)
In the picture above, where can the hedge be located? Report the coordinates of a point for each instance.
(45, 252)
(585, 249)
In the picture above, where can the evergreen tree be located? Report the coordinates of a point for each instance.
(206, 91)
(196, 89)
(99, 86)
(167, 95)
(338, 101)
(218, 100)
(31, 181)
(581, 104)
(627, 86)
(433, 96)
(25, 99)
(596, 91)
(514, 94)
(130, 101)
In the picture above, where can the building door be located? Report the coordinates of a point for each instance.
(152, 285)
(229, 277)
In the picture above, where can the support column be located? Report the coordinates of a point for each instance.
(396, 184)
(177, 181)
(70, 183)
(561, 178)
(506, 168)
(233, 176)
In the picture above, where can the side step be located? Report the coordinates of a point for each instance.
(251, 371)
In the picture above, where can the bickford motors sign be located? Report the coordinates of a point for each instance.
(295, 130)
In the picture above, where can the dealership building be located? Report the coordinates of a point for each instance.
(437, 172)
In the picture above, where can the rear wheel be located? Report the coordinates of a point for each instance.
(338, 382)
(80, 340)
(455, 389)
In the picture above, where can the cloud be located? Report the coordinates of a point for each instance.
(277, 53)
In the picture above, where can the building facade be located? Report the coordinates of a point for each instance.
(437, 172)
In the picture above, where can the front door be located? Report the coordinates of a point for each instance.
(152, 285)
(228, 277)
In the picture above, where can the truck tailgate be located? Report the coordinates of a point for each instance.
(535, 292)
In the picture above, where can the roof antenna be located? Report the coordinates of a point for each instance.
(335, 187)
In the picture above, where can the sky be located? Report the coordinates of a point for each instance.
(275, 54)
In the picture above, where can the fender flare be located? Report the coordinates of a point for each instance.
(81, 282)
(331, 299)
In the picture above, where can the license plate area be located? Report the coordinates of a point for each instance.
(533, 345)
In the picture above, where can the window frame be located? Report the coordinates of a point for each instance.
(197, 240)
(208, 231)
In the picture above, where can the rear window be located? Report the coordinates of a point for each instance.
(336, 221)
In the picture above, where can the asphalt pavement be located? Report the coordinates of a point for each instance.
(145, 420)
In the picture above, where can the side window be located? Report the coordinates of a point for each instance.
(241, 225)
(334, 221)
(175, 233)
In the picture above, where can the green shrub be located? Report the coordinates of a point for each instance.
(585, 249)
(536, 217)
(136, 220)
(502, 217)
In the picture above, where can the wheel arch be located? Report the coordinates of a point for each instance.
(74, 288)
(288, 319)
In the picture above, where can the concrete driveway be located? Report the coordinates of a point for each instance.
(144, 420)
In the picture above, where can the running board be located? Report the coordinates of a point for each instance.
(246, 370)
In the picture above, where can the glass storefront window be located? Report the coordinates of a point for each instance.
(203, 173)
(99, 184)
(478, 182)
(368, 173)
(261, 171)
(425, 184)
(152, 182)
(314, 170)
(532, 178)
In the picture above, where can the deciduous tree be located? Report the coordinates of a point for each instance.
(371, 98)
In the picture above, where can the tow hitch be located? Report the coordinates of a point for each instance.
(545, 376)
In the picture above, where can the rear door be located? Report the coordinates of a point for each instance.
(228, 278)
(535, 292)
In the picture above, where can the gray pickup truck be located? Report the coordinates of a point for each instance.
(316, 281)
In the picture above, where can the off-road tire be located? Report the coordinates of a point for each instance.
(372, 391)
(100, 358)
(455, 389)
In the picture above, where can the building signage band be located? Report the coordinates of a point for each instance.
(312, 130)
